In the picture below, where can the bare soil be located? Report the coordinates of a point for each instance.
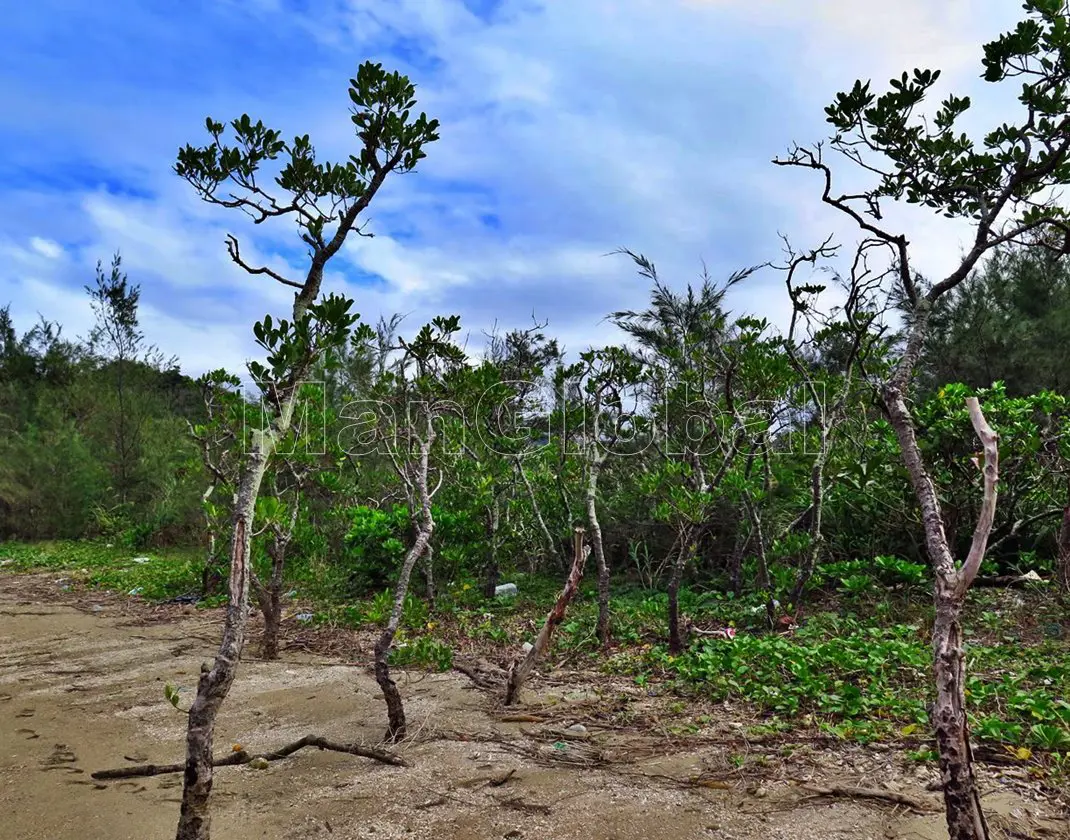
(82, 679)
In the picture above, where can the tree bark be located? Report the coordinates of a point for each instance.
(492, 574)
(194, 822)
(395, 707)
(676, 640)
(522, 668)
(965, 818)
(596, 459)
(195, 819)
(270, 597)
(551, 543)
(1062, 568)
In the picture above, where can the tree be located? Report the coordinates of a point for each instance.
(325, 200)
(680, 340)
(1009, 321)
(117, 338)
(1003, 188)
(417, 398)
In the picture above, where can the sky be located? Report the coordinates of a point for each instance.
(568, 130)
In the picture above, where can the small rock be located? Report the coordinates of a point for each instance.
(577, 729)
(761, 792)
(141, 560)
(259, 763)
(506, 590)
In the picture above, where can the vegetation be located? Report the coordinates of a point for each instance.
(768, 511)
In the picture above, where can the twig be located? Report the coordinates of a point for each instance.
(243, 757)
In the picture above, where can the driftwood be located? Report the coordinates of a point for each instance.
(521, 668)
(243, 757)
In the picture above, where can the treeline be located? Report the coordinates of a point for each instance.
(95, 438)
(710, 446)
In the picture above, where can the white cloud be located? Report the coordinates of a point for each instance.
(46, 247)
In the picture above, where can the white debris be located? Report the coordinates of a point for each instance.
(506, 590)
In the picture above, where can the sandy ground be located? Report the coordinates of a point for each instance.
(81, 689)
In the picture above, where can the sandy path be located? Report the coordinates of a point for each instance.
(81, 691)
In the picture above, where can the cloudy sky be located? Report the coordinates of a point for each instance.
(570, 128)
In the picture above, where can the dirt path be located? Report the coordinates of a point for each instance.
(82, 690)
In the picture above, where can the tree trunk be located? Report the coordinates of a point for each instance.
(965, 819)
(270, 597)
(817, 504)
(1062, 568)
(395, 708)
(676, 640)
(272, 619)
(492, 574)
(429, 573)
(551, 543)
(520, 669)
(208, 582)
(195, 820)
(595, 466)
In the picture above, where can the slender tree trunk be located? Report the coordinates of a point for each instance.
(395, 708)
(765, 582)
(551, 543)
(210, 545)
(492, 575)
(1062, 569)
(270, 597)
(271, 608)
(215, 682)
(965, 818)
(429, 573)
(596, 459)
(735, 569)
(522, 668)
(683, 555)
(817, 503)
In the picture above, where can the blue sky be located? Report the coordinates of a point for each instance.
(569, 129)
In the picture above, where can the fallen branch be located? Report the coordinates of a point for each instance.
(919, 805)
(243, 757)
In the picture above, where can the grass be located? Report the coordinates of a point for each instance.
(154, 575)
